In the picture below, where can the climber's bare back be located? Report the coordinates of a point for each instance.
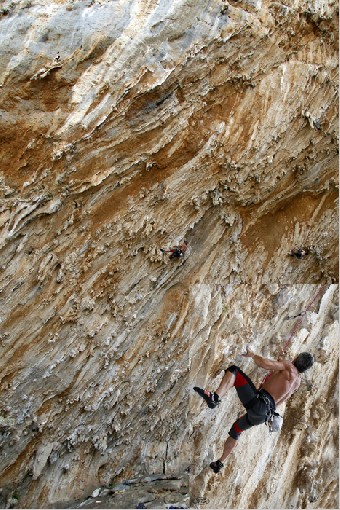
(282, 383)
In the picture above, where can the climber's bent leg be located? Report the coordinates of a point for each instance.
(233, 377)
(244, 386)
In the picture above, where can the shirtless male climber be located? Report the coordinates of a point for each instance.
(260, 404)
(177, 251)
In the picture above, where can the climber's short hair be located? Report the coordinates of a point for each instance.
(303, 361)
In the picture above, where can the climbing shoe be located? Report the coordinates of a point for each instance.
(212, 399)
(216, 466)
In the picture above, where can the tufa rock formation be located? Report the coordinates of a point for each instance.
(128, 126)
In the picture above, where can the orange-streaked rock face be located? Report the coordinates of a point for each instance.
(129, 126)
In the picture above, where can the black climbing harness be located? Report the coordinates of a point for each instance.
(269, 404)
(273, 420)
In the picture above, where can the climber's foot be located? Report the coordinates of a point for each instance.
(216, 466)
(212, 399)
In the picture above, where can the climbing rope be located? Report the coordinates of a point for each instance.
(295, 328)
(298, 322)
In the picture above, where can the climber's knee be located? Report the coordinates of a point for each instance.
(241, 379)
(239, 426)
(233, 369)
(235, 431)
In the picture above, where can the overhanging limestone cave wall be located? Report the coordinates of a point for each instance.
(126, 126)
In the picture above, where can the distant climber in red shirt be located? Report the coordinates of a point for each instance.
(177, 251)
(260, 404)
(299, 253)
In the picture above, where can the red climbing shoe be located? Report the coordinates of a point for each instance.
(216, 466)
(212, 399)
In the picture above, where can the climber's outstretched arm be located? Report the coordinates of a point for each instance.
(267, 364)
